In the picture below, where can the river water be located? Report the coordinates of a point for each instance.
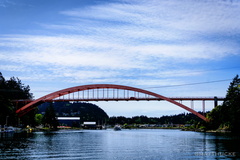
(149, 144)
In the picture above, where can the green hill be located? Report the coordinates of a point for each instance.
(86, 111)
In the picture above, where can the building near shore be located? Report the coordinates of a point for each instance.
(69, 121)
(89, 125)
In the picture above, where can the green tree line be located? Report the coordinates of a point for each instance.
(227, 115)
(10, 90)
(183, 118)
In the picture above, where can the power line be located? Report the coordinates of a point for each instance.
(188, 84)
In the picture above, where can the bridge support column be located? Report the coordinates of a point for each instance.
(203, 105)
(215, 101)
(192, 104)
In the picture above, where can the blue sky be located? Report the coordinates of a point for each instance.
(150, 44)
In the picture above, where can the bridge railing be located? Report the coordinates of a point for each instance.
(69, 98)
(106, 94)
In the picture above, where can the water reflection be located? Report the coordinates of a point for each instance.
(225, 145)
(125, 144)
(11, 146)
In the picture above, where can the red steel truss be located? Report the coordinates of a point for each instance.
(108, 92)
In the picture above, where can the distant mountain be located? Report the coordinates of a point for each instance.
(86, 111)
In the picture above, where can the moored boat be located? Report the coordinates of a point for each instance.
(117, 128)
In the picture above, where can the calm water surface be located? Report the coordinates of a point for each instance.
(139, 144)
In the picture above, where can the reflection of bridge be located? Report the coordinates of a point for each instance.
(110, 92)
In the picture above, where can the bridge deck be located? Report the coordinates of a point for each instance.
(129, 99)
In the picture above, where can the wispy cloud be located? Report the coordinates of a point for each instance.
(5, 3)
(128, 42)
(14, 68)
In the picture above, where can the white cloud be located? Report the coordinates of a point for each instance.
(187, 51)
(15, 68)
(144, 44)
(200, 16)
(175, 73)
(66, 51)
(129, 43)
(206, 17)
(180, 29)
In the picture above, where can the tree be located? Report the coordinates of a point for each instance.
(227, 115)
(215, 118)
(12, 89)
(231, 105)
(49, 118)
(38, 119)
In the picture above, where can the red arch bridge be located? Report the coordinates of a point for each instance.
(111, 92)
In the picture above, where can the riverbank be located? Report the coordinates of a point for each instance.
(182, 128)
(207, 131)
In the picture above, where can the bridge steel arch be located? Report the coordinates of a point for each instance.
(28, 107)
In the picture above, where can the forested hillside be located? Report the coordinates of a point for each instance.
(227, 115)
(86, 111)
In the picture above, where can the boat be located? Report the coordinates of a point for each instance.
(117, 128)
(8, 130)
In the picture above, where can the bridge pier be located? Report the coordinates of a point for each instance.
(203, 109)
(192, 104)
(215, 101)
